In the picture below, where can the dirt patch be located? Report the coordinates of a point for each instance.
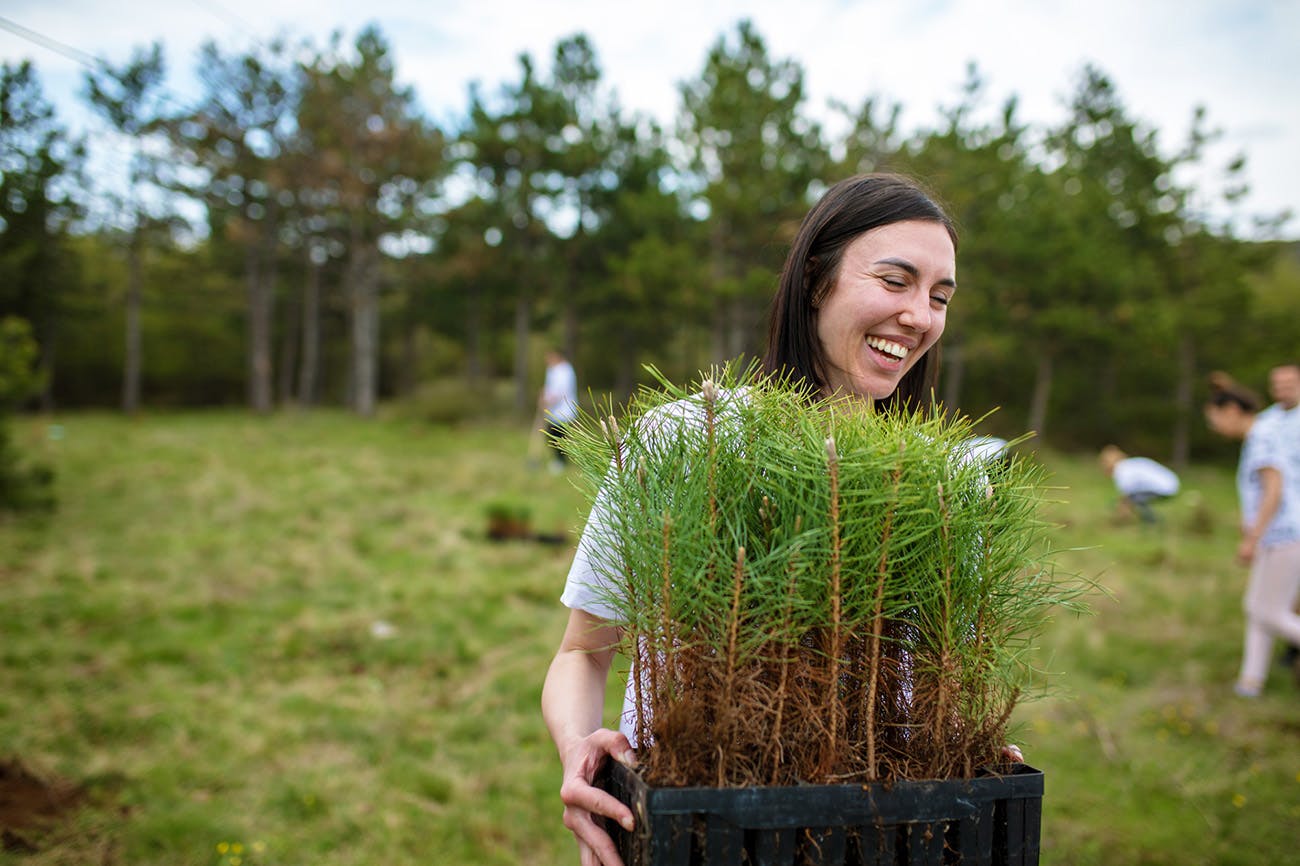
(32, 804)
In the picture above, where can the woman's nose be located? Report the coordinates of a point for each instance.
(916, 313)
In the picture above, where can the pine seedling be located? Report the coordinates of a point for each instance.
(811, 591)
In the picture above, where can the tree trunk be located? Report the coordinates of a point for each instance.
(405, 377)
(740, 328)
(954, 374)
(309, 358)
(46, 351)
(569, 305)
(132, 364)
(523, 318)
(721, 348)
(1183, 396)
(289, 344)
(1107, 400)
(364, 294)
(625, 379)
(718, 332)
(259, 331)
(1042, 395)
(570, 340)
(474, 335)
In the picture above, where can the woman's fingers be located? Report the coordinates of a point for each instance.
(614, 744)
(587, 857)
(594, 845)
(1012, 753)
(581, 795)
(584, 802)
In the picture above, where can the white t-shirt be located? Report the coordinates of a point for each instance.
(984, 448)
(560, 392)
(1144, 475)
(586, 588)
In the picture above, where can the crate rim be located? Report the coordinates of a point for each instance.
(906, 801)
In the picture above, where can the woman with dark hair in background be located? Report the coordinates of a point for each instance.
(1268, 486)
(1284, 389)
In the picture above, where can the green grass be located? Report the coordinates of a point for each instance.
(197, 636)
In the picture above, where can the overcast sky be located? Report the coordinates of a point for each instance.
(1238, 58)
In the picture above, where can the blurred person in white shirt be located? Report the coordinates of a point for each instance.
(1139, 480)
(558, 402)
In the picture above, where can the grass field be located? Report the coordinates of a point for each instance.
(245, 641)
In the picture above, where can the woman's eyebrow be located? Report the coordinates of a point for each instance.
(914, 271)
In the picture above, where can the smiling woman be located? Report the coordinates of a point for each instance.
(858, 313)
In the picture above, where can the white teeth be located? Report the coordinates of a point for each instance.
(889, 347)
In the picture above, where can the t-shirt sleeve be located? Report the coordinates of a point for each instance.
(593, 583)
(589, 585)
(1267, 451)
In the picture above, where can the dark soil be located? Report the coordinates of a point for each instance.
(517, 530)
(31, 804)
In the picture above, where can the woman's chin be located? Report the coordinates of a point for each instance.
(866, 387)
(878, 390)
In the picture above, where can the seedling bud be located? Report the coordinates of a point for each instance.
(710, 391)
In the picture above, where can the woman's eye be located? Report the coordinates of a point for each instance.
(895, 282)
(941, 300)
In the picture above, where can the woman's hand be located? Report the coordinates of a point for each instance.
(572, 699)
(1012, 754)
(583, 801)
(1246, 547)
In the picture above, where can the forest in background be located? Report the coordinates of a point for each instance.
(352, 251)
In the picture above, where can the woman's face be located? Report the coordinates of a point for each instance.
(887, 306)
(1226, 420)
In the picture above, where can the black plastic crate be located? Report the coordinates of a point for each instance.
(993, 820)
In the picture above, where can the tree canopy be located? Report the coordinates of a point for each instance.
(348, 249)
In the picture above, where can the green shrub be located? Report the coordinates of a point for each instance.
(22, 486)
(448, 401)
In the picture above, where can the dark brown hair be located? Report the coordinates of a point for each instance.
(1227, 391)
(849, 209)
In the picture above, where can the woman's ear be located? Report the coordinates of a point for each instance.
(811, 272)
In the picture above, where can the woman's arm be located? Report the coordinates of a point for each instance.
(1270, 482)
(572, 702)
